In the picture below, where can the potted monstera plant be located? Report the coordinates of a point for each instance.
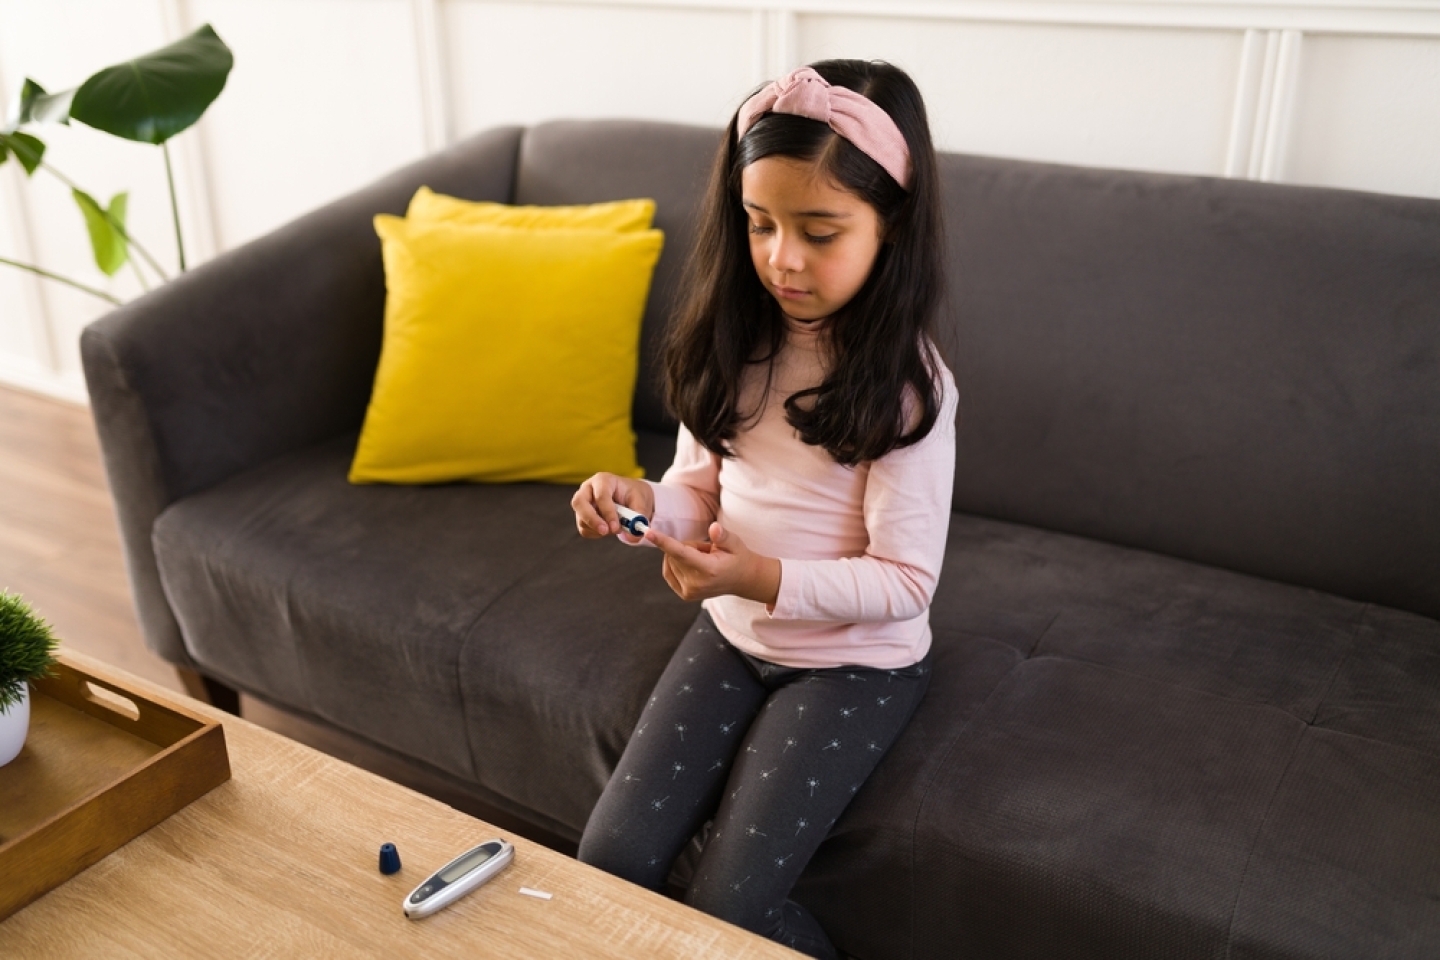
(149, 100)
(27, 652)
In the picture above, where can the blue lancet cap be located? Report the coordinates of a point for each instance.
(389, 859)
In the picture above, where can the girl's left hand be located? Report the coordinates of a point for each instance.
(722, 567)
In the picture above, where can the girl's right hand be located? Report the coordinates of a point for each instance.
(594, 504)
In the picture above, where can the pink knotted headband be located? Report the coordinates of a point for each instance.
(805, 93)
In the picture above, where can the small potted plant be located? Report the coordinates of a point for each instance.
(27, 651)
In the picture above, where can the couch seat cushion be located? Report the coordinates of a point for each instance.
(1128, 755)
(364, 606)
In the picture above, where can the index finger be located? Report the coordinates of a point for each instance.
(675, 548)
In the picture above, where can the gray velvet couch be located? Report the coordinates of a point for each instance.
(1186, 699)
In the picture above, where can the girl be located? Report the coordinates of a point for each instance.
(808, 502)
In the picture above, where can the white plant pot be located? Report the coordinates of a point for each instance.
(14, 724)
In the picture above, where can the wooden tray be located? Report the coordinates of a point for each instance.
(102, 764)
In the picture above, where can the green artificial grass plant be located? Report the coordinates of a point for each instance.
(27, 648)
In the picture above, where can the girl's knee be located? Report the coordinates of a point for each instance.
(619, 857)
(727, 901)
(596, 851)
(783, 921)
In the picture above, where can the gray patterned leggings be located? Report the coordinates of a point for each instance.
(773, 754)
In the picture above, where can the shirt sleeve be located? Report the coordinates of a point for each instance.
(907, 517)
(687, 497)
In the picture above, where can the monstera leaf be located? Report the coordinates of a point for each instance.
(108, 240)
(37, 106)
(149, 99)
(33, 106)
(27, 149)
(154, 97)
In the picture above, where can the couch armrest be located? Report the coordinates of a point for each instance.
(267, 349)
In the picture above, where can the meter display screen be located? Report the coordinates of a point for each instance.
(465, 864)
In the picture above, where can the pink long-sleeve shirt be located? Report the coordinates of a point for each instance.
(860, 548)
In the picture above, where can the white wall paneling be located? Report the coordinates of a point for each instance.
(1101, 95)
(522, 62)
(1282, 58)
(1264, 104)
(59, 44)
(195, 195)
(429, 51)
(774, 52)
(1367, 115)
(1254, 57)
(1391, 17)
(327, 95)
(27, 353)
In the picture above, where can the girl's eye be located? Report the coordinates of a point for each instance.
(759, 230)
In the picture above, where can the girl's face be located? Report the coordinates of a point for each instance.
(812, 243)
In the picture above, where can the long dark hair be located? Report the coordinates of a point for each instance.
(882, 341)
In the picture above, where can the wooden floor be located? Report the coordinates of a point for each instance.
(59, 545)
(60, 550)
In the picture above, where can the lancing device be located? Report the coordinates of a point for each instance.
(458, 877)
(635, 523)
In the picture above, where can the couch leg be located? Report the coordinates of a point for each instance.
(209, 690)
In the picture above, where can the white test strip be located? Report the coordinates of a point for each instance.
(537, 894)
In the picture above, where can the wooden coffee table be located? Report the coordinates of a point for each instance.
(282, 861)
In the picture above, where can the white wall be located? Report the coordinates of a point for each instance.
(327, 95)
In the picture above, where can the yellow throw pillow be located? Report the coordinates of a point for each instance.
(509, 353)
(621, 215)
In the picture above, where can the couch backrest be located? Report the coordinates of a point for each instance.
(1242, 374)
(593, 161)
(1246, 375)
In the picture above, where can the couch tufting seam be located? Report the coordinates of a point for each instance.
(1340, 663)
(1034, 647)
(1259, 833)
(313, 704)
(935, 775)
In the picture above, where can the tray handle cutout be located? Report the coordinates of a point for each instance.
(111, 700)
